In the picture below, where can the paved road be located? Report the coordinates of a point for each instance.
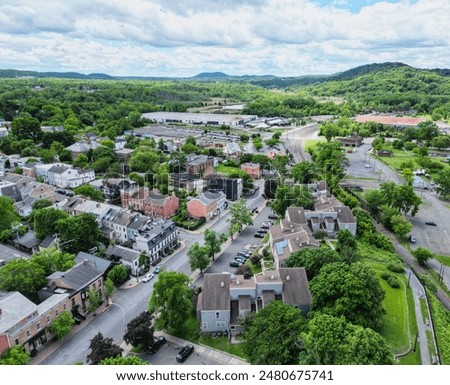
(294, 140)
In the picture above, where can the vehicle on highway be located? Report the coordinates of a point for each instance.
(147, 277)
(431, 223)
(234, 263)
(185, 352)
(259, 235)
(412, 239)
(157, 343)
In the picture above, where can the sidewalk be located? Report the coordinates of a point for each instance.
(52, 346)
(226, 358)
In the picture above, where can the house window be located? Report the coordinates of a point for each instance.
(205, 325)
(48, 319)
(56, 312)
(220, 324)
(28, 333)
(73, 301)
(65, 307)
(38, 326)
(217, 315)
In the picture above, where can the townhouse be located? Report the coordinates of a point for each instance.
(208, 205)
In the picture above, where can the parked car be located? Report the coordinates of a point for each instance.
(412, 239)
(240, 259)
(431, 223)
(274, 216)
(262, 231)
(157, 343)
(234, 263)
(244, 253)
(147, 277)
(259, 235)
(265, 226)
(2, 262)
(157, 269)
(185, 352)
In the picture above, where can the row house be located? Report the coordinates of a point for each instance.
(252, 169)
(31, 193)
(63, 176)
(157, 239)
(208, 205)
(150, 203)
(232, 150)
(24, 323)
(190, 183)
(12, 184)
(227, 298)
(128, 257)
(200, 165)
(82, 148)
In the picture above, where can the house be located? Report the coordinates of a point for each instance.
(29, 169)
(120, 226)
(385, 153)
(119, 144)
(37, 191)
(111, 187)
(128, 257)
(11, 185)
(28, 242)
(227, 298)
(99, 210)
(82, 148)
(64, 176)
(75, 282)
(134, 227)
(200, 165)
(232, 150)
(133, 198)
(108, 222)
(232, 187)
(160, 206)
(252, 169)
(351, 141)
(9, 189)
(24, 323)
(25, 207)
(190, 183)
(156, 239)
(208, 205)
(101, 264)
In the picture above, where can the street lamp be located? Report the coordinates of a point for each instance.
(123, 314)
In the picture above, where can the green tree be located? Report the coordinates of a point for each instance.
(79, 233)
(143, 161)
(7, 214)
(422, 255)
(26, 128)
(233, 229)
(62, 325)
(15, 355)
(81, 161)
(118, 275)
(428, 130)
(352, 291)
(332, 341)
(213, 242)
(46, 221)
(89, 191)
(443, 182)
(102, 348)
(240, 214)
(401, 197)
(140, 331)
(130, 360)
(375, 199)
(171, 298)
(287, 196)
(109, 288)
(400, 225)
(312, 259)
(41, 203)
(52, 260)
(304, 172)
(262, 342)
(198, 257)
(94, 300)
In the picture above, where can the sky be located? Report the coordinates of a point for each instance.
(182, 38)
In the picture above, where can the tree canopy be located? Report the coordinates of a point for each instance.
(262, 339)
(312, 259)
(352, 291)
(102, 348)
(62, 325)
(15, 355)
(140, 331)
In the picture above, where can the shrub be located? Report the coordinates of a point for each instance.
(386, 276)
(256, 260)
(393, 282)
(428, 283)
(396, 268)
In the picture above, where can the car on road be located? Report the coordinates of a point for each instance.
(262, 231)
(273, 216)
(412, 239)
(147, 277)
(265, 226)
(368, 166)
(234, 263)
(157, 343)
(259, 235)
(244, 253)
(430, 223)
(2, 262)
(185, 352)
(157, 269)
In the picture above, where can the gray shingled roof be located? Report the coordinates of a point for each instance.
(15, 308)
(216, 292)
(295, 286)
(80, 276)
(100, 264)
(121, 252)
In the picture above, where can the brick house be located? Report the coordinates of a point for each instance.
(252, 169)
(200, 165)
(207, 205)
(160, 206)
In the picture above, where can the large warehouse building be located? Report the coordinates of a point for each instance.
(193, 118)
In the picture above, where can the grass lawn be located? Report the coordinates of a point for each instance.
(444, 259)
(255, 269)
(223, 344)
(313, 142)
(424, 309)
(395, 325)
(441, 321)
(189, 331)
(227, 170)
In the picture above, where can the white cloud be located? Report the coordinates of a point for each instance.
(166, 37)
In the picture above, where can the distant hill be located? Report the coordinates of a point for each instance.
(211, 75)
(11, 73)
(366, 69)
